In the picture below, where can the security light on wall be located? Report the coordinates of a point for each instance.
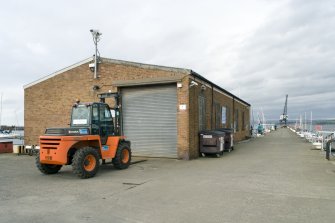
(193, 83)
(91, 66)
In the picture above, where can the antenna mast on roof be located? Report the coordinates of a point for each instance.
(96, 38)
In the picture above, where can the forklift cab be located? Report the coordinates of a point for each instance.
(96, 116)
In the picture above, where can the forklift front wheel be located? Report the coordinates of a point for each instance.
(122, 157)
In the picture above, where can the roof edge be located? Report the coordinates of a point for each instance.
(218, 87)
(107, 60)
(146, 66)
(58, 72)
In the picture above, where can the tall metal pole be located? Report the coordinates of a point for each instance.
(96, 38)
(285, 111)
(305, 122)
(95, 60)
(310, 127)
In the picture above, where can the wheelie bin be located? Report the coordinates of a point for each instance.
(211, 142)
(228, 139)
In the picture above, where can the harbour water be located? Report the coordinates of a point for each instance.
(315, 127)
(17, 140)
(324, 127)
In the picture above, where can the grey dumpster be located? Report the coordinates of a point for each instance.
(229, 138)
(211, 142)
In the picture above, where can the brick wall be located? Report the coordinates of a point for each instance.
(183, 120)
(212, 97)
(48, 103)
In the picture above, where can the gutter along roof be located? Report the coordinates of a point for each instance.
(218, 87)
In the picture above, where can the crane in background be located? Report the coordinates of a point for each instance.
(284, 116)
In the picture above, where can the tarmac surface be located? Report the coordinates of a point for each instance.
(276, 178)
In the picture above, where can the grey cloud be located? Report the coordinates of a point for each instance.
(291, 54)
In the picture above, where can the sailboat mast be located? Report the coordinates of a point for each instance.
(310, 128)
(0, 110)
(305, 123)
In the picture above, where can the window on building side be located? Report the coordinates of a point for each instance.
(224, 116)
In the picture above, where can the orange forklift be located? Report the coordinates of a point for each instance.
(94, 135)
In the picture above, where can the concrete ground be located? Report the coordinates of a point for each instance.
(276, 178)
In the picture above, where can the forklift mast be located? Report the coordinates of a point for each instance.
(116, 108)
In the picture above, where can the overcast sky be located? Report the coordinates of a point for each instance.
(260, 50)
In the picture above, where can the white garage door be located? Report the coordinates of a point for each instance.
(150, 120)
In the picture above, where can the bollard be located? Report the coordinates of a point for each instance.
(22, 150)
(329, 148)
(28, 149)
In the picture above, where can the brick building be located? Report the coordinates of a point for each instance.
(163, 108)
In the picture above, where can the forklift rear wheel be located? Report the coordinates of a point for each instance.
(46, 168)
(122, 157)
(85, 163)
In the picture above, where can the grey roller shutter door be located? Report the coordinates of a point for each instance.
(150, 120)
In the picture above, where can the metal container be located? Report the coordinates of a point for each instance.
(229, 138)
(212, 142)
(6, 147)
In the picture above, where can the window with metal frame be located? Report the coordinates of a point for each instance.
(95, 119)
(106, 123)
(224, 116)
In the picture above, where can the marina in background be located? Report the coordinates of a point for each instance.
(16, 135)
(320, 133)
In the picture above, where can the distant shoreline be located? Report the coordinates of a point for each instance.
(315, 122)
(11, 127)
